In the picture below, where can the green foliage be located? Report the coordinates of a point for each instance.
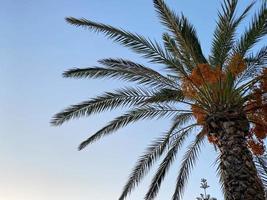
(149, 49)
(107, 101)
(165, 95)
(256, 31)
(183, 32)
(255, 64)
(225, 31)
(157, 95)
(141, 113)
(154, 151)
(165, 164)
(145, 162)
(123, 70)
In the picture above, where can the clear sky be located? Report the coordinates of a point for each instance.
(40, 162)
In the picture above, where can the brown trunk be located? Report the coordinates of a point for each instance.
(238, 171)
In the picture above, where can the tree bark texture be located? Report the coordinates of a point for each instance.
(238, 172)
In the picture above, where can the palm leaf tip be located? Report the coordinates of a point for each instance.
(88, 141)
(82, 145)
(63, 116)
(69, 73)
(72, 20)
(107, 101)
(84, 22)
(53, 122)
(56, 120)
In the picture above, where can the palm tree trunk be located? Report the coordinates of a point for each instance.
(237, 169)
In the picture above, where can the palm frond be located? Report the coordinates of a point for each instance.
(172, 47)
(261, 165)
(124, 74)
(183, 31)
(153, 152)
(179, 121)
(107, 101)
(150, 50)
(256, 31)
(225, 31)
(186, 166)
(165, 165)
(191, 39)
(145, 74)
(165, 95)
(255, 64)
(141, 113)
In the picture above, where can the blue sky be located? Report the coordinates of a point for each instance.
(40, 162)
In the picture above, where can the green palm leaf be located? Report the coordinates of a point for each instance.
(147, 48)
(256, 31)
(146, 72)
(186, 166)
(145, 112)
(183, 31)
(153, 152)
(123, 70)
(225, 31)
(107, 101)
(120, 74)
(165, 165)
(165, 95)
(255, 64)
(172, 47)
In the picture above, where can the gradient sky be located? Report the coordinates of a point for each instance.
(40, 162)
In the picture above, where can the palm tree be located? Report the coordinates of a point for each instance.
(223, 96)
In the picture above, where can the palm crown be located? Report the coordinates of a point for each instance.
(230, 82)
